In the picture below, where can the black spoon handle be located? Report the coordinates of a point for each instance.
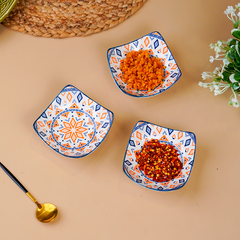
(13, 177)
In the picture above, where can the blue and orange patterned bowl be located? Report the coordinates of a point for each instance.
(157, 47)
(184, 142)
(73, 125)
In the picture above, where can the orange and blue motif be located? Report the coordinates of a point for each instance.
(184, 142)
(73, 124)
(157, 47)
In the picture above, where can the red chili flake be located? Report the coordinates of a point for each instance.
(159, 161)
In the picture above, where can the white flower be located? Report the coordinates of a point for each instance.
(236, 105)
(237, 6)
(229, 10)
(216, 70)
(211, 59)
(205, 85)
(205, 76)
(235, 102)
(217, 49)
(222, 49)
(225, 61)
(219, 43)
(220, 75)
(217, 92)
(212, 46)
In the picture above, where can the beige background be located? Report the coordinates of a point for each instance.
(95, 199)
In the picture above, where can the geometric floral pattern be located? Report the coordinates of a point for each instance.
(157, 47)
(184, 142)
(73, 124)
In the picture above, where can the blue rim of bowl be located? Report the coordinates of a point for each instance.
(110, 124)
(193, 137)
(159, 36)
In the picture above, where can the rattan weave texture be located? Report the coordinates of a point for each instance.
(69, 18)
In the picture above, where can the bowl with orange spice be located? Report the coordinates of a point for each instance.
(144, 67)
(159, 158)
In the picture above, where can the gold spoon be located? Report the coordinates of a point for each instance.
(46, 212)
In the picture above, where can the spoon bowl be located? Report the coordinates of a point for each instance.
(47, 212)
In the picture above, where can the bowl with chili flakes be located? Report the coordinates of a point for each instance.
(144, 67)
(159, 158)
(73, 124)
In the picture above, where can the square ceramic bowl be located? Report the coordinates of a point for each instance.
(184, 142)
(157, 47)
(73, 125)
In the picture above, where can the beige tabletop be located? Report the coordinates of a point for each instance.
(96, 200)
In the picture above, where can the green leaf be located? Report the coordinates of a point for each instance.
(232, 42)
(217, 79)
(237, 48)
(236, 33)
(237, 77)
(237, 57)
(236, 65)
(237, 71)
(231, 56)
(235, 85)
(226, 76)
(231, 53)
(229, 67)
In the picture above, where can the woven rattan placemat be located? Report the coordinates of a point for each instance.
(69, 18)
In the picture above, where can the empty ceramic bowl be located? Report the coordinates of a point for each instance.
(73, 124)
(157, 47)
(184, 142)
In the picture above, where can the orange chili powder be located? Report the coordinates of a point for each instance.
(140, 71)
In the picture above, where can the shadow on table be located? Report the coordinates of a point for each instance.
(3, 37)
(71, 165)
